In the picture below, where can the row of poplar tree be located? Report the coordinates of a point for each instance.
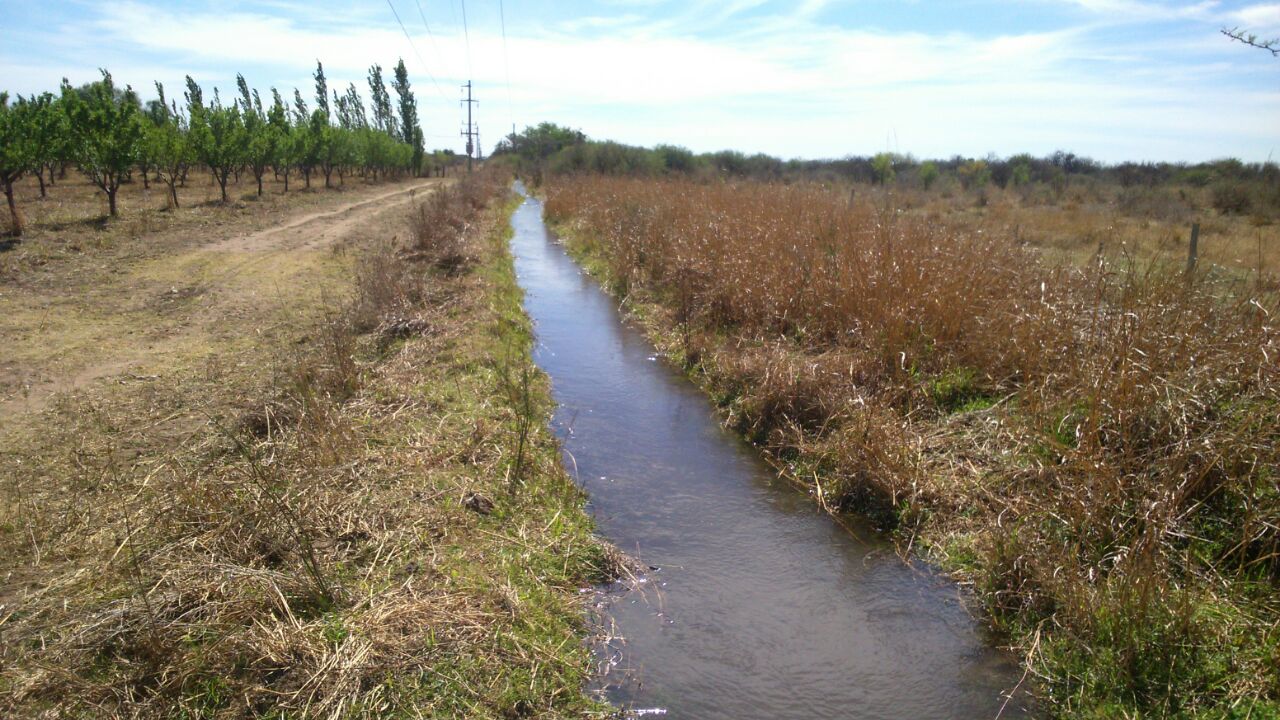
(109, 134)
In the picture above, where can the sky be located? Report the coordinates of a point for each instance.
(1114, 80)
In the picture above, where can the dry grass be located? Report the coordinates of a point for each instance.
(206, 546)
(1094, 445)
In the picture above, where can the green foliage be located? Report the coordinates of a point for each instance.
(171, 151)
(1020, 171)
(384, 119)
(959, 390)
(410, 131)
(975, 174)
(105, 133)
(220, 141)
(108, 133)
(676, 159)
(882, 168)
(929, 174)
(18, 152)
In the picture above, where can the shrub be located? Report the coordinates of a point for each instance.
(1230, 197)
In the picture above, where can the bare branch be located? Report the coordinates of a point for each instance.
(1272, 46)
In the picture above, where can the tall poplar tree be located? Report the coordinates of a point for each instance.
(384, 118)
(322, 90)
(410, 133)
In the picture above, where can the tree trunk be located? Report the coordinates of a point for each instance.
(222, 185)
(13, 209)
(286, 180)
(51, 174)
(111, 202)
(173, 193)
(306, 175)
(40, 176)
(146, 181)
(260, 184)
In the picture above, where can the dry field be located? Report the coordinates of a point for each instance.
(1037, 398)
(258, 460)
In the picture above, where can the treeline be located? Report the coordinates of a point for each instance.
(549, 148)
(110, 134)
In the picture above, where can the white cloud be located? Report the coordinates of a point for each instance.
(1262, 19)
(795, 89)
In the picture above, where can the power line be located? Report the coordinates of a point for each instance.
(506, 62)
(425, 67)
(434, 46)
(467, 36)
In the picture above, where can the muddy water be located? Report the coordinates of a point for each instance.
(758, 606)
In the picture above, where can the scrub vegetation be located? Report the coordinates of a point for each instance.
(1065, 416)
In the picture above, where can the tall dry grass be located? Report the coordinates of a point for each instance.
(1097, 447)
(312, 556)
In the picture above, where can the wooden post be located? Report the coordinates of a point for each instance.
(1193, 249)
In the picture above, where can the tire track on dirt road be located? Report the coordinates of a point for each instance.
(237, 284)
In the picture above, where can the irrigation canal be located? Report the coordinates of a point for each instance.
(760, 605)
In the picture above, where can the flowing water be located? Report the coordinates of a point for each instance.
(755, 604)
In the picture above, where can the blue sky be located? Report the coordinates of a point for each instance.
(1111, 79)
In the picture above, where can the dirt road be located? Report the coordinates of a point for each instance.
(185, 296)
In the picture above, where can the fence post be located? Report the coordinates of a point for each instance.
(1193, 249)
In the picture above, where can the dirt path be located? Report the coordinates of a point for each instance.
(206, 300)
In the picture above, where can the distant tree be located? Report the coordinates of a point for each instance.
(928, 174)
(48, 136)
(17, 151)
(342, 152)
(104, 133)
(975, 174)
(676, 159)
(1020, 170)
(309, 144)
(246, 96)
(882, 168)
(322, 91)
(286, 145)
(219, 140)
(409, 130)
(259, 136)
(355, 108)
(546, 139)
(326, 146)
(169, 146)
(194, 96)
(383, 117)
(300, 114)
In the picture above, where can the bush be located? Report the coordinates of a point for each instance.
(1231, 198)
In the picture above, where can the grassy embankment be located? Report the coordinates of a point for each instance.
(1095, 448)
(360, 514)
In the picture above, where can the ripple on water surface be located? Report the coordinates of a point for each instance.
(763, 607)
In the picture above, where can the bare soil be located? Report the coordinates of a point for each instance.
(134, 298)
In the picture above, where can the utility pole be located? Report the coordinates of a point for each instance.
(470, 133)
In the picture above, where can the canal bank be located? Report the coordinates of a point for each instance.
(755, 604)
